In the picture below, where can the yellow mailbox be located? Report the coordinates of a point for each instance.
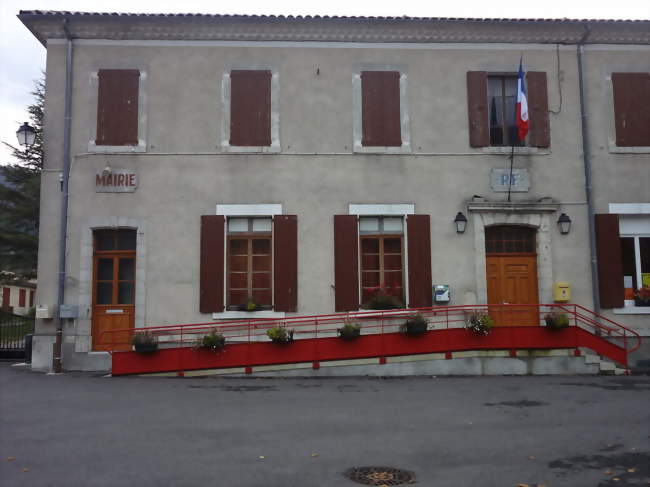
(562, 292)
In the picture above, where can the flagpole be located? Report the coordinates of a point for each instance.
(512, 159)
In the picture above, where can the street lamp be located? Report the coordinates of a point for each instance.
(461, 222)
(564, 223)
(26, 135)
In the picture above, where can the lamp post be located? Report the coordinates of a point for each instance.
(26, 135)
(461, 222)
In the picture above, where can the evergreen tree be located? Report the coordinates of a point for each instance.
(20, 184)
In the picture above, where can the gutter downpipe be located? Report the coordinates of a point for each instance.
(63, 227)
(586, 156)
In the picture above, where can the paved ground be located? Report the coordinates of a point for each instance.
(83, 430)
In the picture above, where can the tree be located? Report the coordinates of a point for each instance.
(20, 184)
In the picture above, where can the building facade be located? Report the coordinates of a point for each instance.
(300, 165)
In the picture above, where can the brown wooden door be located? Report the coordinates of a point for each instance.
(512, 279)
(113, 288)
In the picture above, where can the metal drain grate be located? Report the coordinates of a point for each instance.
(380, 476)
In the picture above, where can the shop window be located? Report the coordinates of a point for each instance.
(250, 108)
(117, 107)
(635, 259)
(380, 107)
(249, 264)
(631, 109)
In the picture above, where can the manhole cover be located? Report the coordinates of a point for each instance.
(380, 476)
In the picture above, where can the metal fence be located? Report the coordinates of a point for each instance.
(13, 332)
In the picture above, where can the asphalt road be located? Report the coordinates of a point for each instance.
(84, 430)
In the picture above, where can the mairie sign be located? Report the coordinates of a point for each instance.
(116, 181)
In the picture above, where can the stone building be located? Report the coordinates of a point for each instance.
(305, 162)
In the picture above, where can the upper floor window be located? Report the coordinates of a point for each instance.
(117, 107)
(632, 109)
(380, 109)
(491, 104)
(250, 108)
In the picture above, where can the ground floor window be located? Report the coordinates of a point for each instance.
(635, 253)
(249, 264)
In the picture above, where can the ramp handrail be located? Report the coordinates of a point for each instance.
(372, 322)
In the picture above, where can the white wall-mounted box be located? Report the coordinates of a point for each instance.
(43, 312)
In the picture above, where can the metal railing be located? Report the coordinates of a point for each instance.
(13, 332)
(374, 322)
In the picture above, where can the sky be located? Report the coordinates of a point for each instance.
(22, 57)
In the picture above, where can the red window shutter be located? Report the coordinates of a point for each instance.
(212, 260)
(610, 267)
(6, 299)
(477, 109)
(380, 109)
(285, 261)
(346, 263)
(540, 132)
(31, 299)
(117, 107)
(419, 261)
(22, 298)
(250, 108)
(632, 109)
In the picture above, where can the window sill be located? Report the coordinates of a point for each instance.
(141, 147)
(632, 310)
(614, 149)
(518, 150)
(252, 149)
(405, 148)
(248, 315)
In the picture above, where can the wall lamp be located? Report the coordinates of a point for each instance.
(564, 224)
(461, 222)
(26, 135)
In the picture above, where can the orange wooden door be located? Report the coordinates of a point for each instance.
(113, 299)
(512, 279)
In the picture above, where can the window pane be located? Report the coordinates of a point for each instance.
(393, 279)
(261, 280)
(393, 225)
(104, 293)
(262, 263)
(393, 262)
(261, 224)
(126, 270)
(393, 246)
(370, 262)
(262, 246)
(105, 240)
(262, 296)
(369, 224)
(238, 263)
(238, 247)
(370, 245)
(237, 224)
(370, 279)
(126, 239)
(105, 269)
(644, 248)
(125, 293)
(238, 280)
(238, 297)
(629, 266)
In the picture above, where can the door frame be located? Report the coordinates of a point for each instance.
(537, 215)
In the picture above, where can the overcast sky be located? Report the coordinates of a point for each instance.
(23, 58)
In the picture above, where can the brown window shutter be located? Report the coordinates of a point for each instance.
(477, 109)
(212, 272)
(632, 109)
(250, 108)
(285, 262)
(346, 263)
(117, 107)
(419, 261)
(380, 109)
(540, 132)
(610, 267)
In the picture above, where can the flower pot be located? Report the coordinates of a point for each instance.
(638, 301)
(415, 327)
(349, 334)
(145, 347)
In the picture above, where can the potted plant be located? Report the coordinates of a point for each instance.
(415, 325)
(384, 297)
(250, 305)
(642, 296)
(212, 341)
(479, 323)
(349, 331)
(556, 321)
(144, 342)
(279, 334)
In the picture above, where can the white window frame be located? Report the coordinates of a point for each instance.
(249, 211)
(275, 146)
(357, 123)
(634, 222)
(142, 113)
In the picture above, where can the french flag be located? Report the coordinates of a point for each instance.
(522, 105)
